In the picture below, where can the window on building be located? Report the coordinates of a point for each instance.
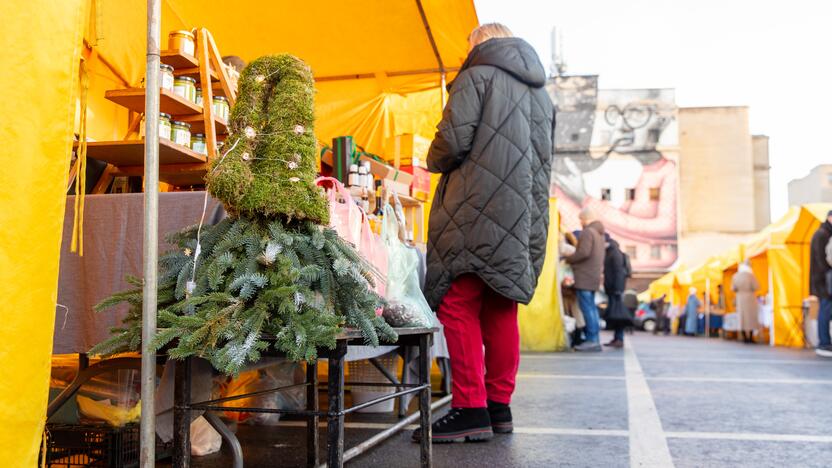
(630, 194)
(631, 251)
(606, 194)
(655, 252)
(655, 194)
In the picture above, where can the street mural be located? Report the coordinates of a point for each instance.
(617, 152)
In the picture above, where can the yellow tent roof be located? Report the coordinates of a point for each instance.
(773, 234)
(377, 63)
(810, 216)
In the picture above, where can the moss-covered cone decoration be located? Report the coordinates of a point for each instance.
(271, 169)
(272, 274)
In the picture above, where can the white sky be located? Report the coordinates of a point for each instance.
(773, 56)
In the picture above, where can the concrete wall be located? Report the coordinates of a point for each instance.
(762, 196)
(716, 170)
(816, 187)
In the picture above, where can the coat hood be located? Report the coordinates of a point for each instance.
(598, 226)
(512, 55)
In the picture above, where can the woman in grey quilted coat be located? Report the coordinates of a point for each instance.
(488, 224)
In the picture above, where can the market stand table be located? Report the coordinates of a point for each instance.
(335, 412)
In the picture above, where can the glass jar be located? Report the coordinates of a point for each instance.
(221, 108)
(185, 86)
(198, 143)
(198, 99)
(181, 132)
(164, 126)
(183, 41)
(166, 77)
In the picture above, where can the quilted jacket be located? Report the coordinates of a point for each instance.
(493, 147)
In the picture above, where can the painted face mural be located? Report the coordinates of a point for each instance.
(617, 152)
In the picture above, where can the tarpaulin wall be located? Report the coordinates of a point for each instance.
(541, 325)
(40, 40)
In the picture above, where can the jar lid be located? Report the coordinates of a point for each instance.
(166, 67)
(197, 135)
(219, 98)
(182, 32)
(162, 114)
(181, 124)
(186, 78)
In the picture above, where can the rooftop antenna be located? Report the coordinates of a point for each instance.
(558, 60)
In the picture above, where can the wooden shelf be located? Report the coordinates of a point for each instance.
(409, 201)
(169, 103)
(198, 124)
(131, 153)
(178, 60)
(180, 175)
(193, 72)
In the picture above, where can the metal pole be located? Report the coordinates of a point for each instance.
(443, 89)
(707, 307)
(151, 221)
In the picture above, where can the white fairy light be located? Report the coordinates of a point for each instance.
(250, 133)
(294, 179)
(299, 129)
(260, 78)
(246, 156)
(292, 165)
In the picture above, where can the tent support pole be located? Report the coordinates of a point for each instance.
(147, 457)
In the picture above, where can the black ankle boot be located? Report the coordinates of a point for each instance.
(500, 415)
(460, 425)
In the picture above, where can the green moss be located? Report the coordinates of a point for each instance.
(271, 174)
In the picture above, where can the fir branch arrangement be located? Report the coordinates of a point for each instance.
(271, 274)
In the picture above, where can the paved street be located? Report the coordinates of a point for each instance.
(662, 401)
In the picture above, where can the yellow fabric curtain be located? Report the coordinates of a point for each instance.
(541, 325)
(41, 42)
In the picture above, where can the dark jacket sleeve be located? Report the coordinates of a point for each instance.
(455, 133)
(584, 250)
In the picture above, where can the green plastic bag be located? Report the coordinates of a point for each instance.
(406, 306)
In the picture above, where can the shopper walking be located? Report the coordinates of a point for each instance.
(819, 283)
(615, 280)
(692, 308)
(745, 286)
(587, 264)
(488, 224)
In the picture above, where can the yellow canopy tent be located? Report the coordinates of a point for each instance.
(662, 286)
(706, 277)
(379, 66)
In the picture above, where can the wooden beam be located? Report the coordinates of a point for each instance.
(204, 49)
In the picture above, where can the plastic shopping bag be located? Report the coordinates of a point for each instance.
(373, 249)
(344, 215)
(205, 440)
(406, 306)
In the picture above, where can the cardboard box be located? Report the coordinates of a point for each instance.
(420, 188)
(378, 169)
(403, 150)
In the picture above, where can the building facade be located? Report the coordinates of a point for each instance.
(816, 187)
(672, 185)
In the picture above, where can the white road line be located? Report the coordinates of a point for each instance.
(750, 436)
(571, 432)
(568, 376)
(809, 361)
(648, 445)
(741, 380)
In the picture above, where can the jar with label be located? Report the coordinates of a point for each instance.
(164, 126)
(183, 41)
(181, 133)
(166, 77)
(221, 108)
(185, 86)
(198, 143)
(198, 99)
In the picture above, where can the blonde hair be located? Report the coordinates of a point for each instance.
(488, 31)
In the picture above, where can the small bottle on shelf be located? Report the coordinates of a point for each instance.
(362, 177)
(352, 181)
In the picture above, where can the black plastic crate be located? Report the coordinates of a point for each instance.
(86, 445)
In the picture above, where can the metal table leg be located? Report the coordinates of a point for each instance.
(228, 437)
(312, 439)
(335, 419)
(182, 414)
(424, 401)
(405, 373)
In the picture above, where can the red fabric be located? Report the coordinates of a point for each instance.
(475, 316)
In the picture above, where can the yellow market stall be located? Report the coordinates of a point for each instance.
(379, 68)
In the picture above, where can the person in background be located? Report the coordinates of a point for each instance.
(615, 280)
(587, 265)
(745, 286)
(819, 283)
(234, 66)
(692, 309)
(659, 306)
(488, 224)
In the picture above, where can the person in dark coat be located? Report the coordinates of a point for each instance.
(615, 281)
(587, 265)
(488, 224)
(819, 269)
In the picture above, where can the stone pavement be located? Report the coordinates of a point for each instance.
(662, 401)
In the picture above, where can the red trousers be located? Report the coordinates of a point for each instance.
(474, 317)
